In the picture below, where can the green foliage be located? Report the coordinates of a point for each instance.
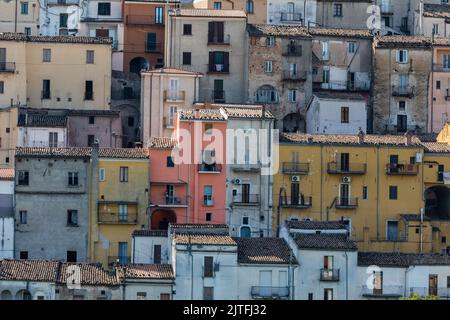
(416, 296)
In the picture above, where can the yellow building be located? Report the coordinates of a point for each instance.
(20, 16)
(8, 136)
(119, 200)
(55, 72)
(374, 183)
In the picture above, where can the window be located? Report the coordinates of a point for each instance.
(23, 178)
(164, 296)
(141, 296)
(104, 9)
(46, 55)
(72, 218)
(402, 56)
(63, 17)
(91, 140)
(73, 179)
(337, 10)
(270, 41)
(327, 294)
(71, 256)
(123, 174)
(351, 47)
(435, 28)
(402, 106)
(328, 262)
(219, 61)
(23, 7)
(393, 192)
(245, 220)
(446, 61)
(345, 114)
(2, 87)
(326, 76)
(46, 89)
(438, 85)
(310, 296)
(365, 193)
(208, 128)
(207, 195)
(7, 130)
(187, 58)
(217, 5)
(402, 123)
(23, 255)
(157, 254)
(123, 212)
(208, 216)
(53, 139)
(169, 162)
(187, 29)
(325, 51)
(130, 121)
(249, 6)
(392, 230)
(216, 32)
(292, 95)
(159, 15)
(89, 93)
(90, 56)
(268, 66)
(91, 119)
(208, 267)
(101, 174)
(27, 31)
(23, 217)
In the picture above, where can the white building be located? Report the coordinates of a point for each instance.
(42, 130)
(336, 113)
(291, 12)
(249, 180)
(6, 213)
(150, 247)
(60, 17)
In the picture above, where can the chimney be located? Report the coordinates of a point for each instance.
(360, 136)
(408, 138)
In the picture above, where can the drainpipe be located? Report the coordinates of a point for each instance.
(431, 114)
(378, 192)
(346, 275)
(321, 182)
(15, 17)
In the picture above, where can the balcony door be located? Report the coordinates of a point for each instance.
(344, 194)
(378, 282)
(402, 123)
(295, 193)
(265, 282)
(151, 41)
(245, 193)
(392, 230)
(218, 95)
(170, 194)
(174, 86)
(433, 284)
(344, 162)
(208, 195)
(123, 252)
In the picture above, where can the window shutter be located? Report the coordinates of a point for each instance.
(226, 61)
(210, 31)
(211, 61)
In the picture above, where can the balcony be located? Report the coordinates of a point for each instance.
(384, 292)
(143, 20)
(170, 201)
(295, 168)
(402, 169)
(117, 218)
(441, 67)
(245, 199)
(299, 202)
(267, 97)
(208, 201)
(100, 18)
(218, 96)
(329, 275)
(152, 47)
(218, 68)
(46, 95)
(173, 96)
(62, 2)
(292, 50)
(266, 292)
(346, 203)
(291, 17)
(248, 168)
(7, 66)
(209, 168)
(441, 292)
(118, 260)
(346, 168)
(403, 91)
(294, 76)
(352, 86)
(224, 39)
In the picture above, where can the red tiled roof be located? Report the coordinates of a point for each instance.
(10, 36)
(202, 114)
(162, 143)
(264, 251)
(436, 147)
(29, 270)
(204, 239)
(90, 274)
(146, 271)
(135, 153)
(7, 174)
(209, 13)
(76, 152)
(170, 70)
(245, 111)
(150, 233)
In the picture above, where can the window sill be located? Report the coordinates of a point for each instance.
(72, 226)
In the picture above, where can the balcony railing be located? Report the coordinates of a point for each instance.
(118, 260)
(7, 66)
(42, 143)
(153, 47)
(329, 274)
(295, 168)
(297, 76)
(291, 17)
(299, 202)
(208, 201)
(204, 167)
(346, 203)
(117, 218)
(292, 50)
(267, 97)
(441, 67)
(170, 201)
(441, 292)
(249, 199)
(385, 291)
(342, 86)
(46, 95)
(346, 168)
(403, 91)
(218, 95)
(218, 68)
(406, 169)
(174, 95)
(266, 292)
(143, 20)
(223, 40)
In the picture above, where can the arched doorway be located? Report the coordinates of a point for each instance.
(246, 232)
(6, 295)
(137, 64)
(294, 122)
(23, 295)
(437, 203)
(161, 218)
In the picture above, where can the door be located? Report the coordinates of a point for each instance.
(170, 194)
(207, 195)
(393, 163)
(123, 252)
(157, 254)
(295, 193)
(402, 123)
(102, 33)
(293, 70)
(433, 285)
(123, 213)
(344, 194)
(245, 193)
(392, 230)
(378, 282)
(328, 294)
(265, 283)
(173, 89)
(344, 162)
(172, 111)
(328, 262)
(53, 139)
(218, 94)
(151, 41)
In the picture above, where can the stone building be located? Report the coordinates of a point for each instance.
(342, 14)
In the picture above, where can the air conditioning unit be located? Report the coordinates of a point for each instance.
(295, 178)
(236, 181)
(346, 179)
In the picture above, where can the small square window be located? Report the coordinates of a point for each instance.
(91, 120)
(72, 218)
(245, 220)
(7, 130)
(208, 216)
(170, 163)
(402, 106)
(23, 215)
(23, 179)
(187, 58)
(217, 5)
(187, 29)
(73, 179)
(23, 255)
(7, 159)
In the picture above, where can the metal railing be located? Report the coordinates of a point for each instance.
(117, 218)
(267, 96)
(402, 169)
(152, 47)
(118, 260)
(298, 202)
(393, 291)
(144, 20)
(329, 274)
(292, 50)
(7, 66)
(299, 75)
(343, 85)
(49, 144)
(216, 40)
(386, 9)
(218, 68)
(269, 292)
(174, 95)
(169, 201)
(291, 17)
(346, 168)
(218, 95)
(403, 91)
(242, 198)
(204, 167)
(295, 168)
(346, 203)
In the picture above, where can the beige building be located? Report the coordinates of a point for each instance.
(164, 91)
(256, 10)
(343, 14)
(20, 16)
(55, 72)
(210, 42)
(8, 135)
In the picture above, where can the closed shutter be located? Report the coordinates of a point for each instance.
(226, 62)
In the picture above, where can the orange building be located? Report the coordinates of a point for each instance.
(144, 22)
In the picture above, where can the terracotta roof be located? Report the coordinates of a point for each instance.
(150, 233)
(197, 226)
(209, 13)
(264, 251)
(436, 147)
(427, 137)
(246, 112)
(201, 114)
(436, 10)
(324, 241)
(42, 120)
(315, 225)
(413, 217)
(162, 143)
(339, 95)
(204, 239)
(337, 32)
(369, 139)
(86, 113)
(260, 30)
(29, 270)
(171, 71)
(53, 152)
(402, 41)
(146, 271)
(90, 274)
(7, 174)
(135, 153)
(395, 259)
(9, 36)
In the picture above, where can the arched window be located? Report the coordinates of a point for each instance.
(249, 7)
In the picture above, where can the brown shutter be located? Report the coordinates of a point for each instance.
(210, 31)
(220, 34)
(226, 62)
(211, 61)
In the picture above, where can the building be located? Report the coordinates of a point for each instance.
(336, 112)
(279, 72)
(144, 23)
(343, 14)
(301, 12)
(256, 10)
(118, 202)
(58, 18)
(20, 17)
(57, 179)
(8, 135)
(210, 42)
(36, 68)
(432, 19)
(150, 247)
(6, 213)
(401, 83)
(164, 91)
